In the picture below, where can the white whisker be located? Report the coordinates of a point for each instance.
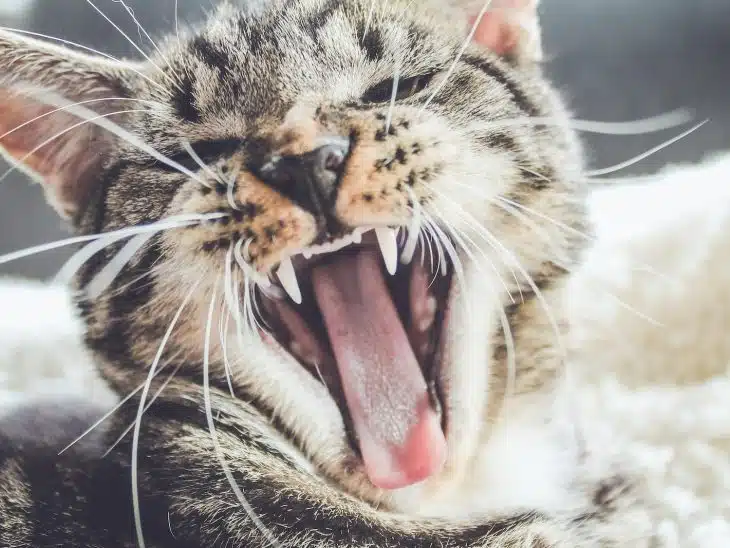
(238, 252)
(644, 126)
(101, 241)
(198, 160)
(453, 66)
(111, 270)
(214, 435)
(369, 20)
(140, 411)
(140, 29)
(103, 418)
(177, 21)
(230, 303)
(132, 42)
(129, 231)
(414, 229)
(650, 152)
(149, 404)
(504, 321)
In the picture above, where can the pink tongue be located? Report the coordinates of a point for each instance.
(401, 440)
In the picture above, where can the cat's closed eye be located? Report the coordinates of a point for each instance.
(407, 87)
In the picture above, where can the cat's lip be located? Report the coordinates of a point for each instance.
(418, 294)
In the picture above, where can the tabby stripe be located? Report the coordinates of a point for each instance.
(210, 54)
(519, 96)
(183, 100)
(320, 19)
(372, 43)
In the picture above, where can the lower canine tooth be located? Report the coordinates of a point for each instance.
(388, 247)
(288, 279)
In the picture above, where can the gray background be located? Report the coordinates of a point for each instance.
(614, 60)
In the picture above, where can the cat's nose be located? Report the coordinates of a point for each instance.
(310, 180)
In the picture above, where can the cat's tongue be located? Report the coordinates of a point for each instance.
(400, 436)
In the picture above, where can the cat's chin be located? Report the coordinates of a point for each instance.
(370, 328)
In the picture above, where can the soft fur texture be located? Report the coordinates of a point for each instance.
(651, 373)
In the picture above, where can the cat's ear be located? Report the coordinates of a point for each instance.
(62, 150)
(510, 28)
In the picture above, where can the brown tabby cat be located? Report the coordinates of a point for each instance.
(335, 235)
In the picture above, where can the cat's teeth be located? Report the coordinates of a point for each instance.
(357, 235)
(288, 279)
(388, 247)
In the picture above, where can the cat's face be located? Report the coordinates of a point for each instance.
(368, 234)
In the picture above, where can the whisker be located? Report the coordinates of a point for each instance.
(101, 241)
(640, 268)
(111, 270)
(507, 204)
(231, 188)
(214, 435)
(224, 326)
(177, 22)
(453, 66)
(128, 231)
(198, 160)
(655, 124)
(413, 230)
(238, 253)
(140, 27)
(140, 411)
(650, 152)
(127, 66)
(149, 404)
(369, 20)
(229, 301)
(132, 42)
(504, 321)
(103, 418)
(483, 254)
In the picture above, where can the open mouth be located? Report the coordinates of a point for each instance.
(372, 330)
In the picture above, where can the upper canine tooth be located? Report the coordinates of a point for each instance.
(288, 279)
(357, 236)
(388, 247)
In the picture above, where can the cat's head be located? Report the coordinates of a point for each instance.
(379, 181)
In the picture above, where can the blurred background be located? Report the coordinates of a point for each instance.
(614, 60)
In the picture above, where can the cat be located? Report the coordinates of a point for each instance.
(329, 286)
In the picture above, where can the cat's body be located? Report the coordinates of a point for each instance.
(421, 421)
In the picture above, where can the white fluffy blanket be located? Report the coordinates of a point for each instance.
(652, 306)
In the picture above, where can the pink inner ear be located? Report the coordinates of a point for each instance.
(496, 32)
(65, 161)
(508, 27)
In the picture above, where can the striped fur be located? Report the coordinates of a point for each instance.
(276, 78)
